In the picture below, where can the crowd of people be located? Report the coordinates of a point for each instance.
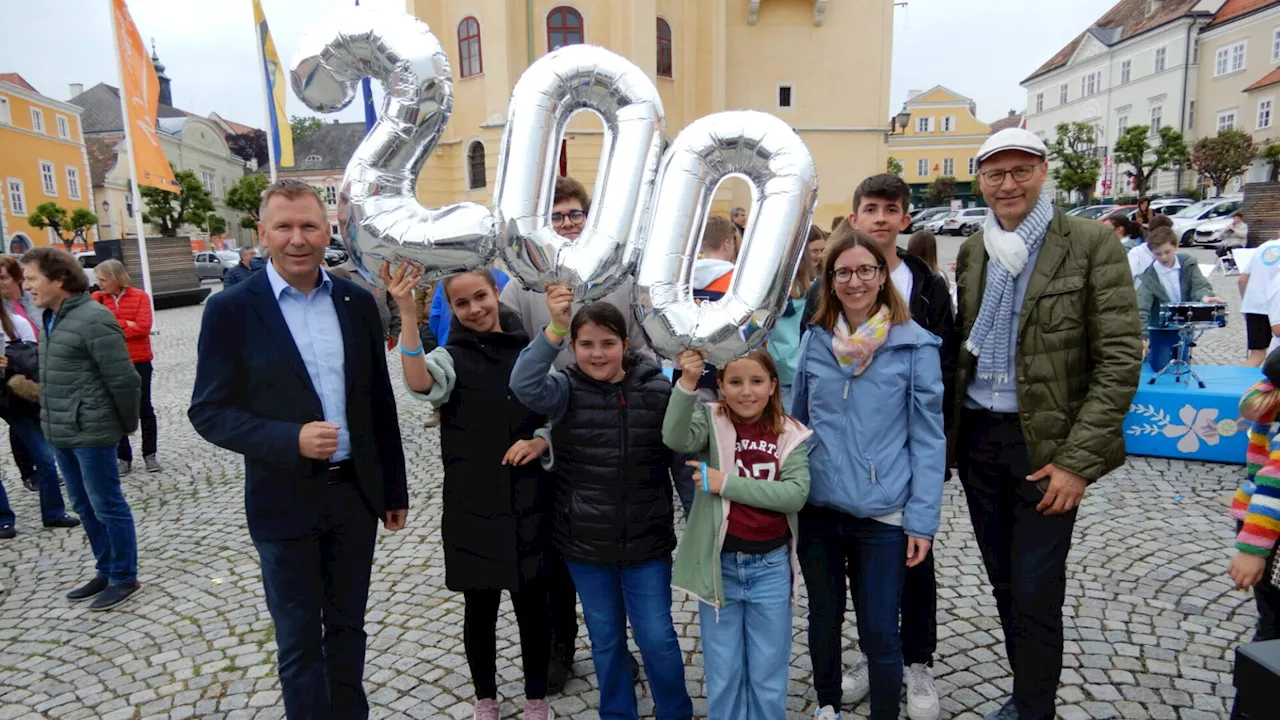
(819, 459)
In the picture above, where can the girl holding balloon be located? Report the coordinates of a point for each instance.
(738, 553)
(613, 518)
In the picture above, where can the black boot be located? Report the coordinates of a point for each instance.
(559, 669)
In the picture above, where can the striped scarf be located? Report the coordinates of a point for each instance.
(993, 329)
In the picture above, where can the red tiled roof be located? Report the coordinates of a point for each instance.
(240, 128)
(1233, 9)
(1130, 18)
(16, 79)
(1270, 78)
(101, 150)
(1004, 123)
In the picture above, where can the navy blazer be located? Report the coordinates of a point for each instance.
(253, 395)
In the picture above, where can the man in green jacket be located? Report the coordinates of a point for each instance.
(1049, 362)
(89, 395)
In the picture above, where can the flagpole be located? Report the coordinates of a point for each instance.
(266, 93)
(133, 167)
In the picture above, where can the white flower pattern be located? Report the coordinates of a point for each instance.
(1196, 426)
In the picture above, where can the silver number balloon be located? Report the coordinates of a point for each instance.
(780, 169)
(574, 78)
(378, 211)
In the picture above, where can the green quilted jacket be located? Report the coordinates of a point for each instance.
(1079, 347)
(89, 390)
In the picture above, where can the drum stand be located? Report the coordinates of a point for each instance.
(1181, 363)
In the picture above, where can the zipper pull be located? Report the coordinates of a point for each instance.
(873, 472)
(622, 399)
(846, 390)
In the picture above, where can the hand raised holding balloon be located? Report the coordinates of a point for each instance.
(560, 308)
(401, 284)
(691, 364)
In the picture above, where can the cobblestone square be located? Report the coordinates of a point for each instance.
(1152, 620)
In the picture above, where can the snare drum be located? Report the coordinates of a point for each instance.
(1194, 314)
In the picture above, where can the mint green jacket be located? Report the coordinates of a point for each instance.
(701, 429)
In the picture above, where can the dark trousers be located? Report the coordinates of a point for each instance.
(479, 638)
(21, 456)
(1024, 551)
(919, 611)
(146, 418)
(316, 589)
(1267, 599)
(833, 547)
(562, 607)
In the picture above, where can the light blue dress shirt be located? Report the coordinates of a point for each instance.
(313, 323)
(1002, 397)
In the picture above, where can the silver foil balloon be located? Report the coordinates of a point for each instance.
(784, 182)
(379, 216)
(577, 77)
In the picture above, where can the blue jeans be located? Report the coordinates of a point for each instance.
(93, 484)
(611, 595)
(27, 429)
(834, 544)
(746, 646)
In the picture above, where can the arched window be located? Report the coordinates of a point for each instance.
(469, 47)
(664, 48)
(564, 27)
(475, 166)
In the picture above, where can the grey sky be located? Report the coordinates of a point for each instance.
(979, 48)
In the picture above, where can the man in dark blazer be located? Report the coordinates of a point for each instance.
(292, 374)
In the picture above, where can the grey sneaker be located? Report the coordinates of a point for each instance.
(125, 466)
(922, 695)
(486, 709)
(153, 465)
(856, 683)
(433, 420)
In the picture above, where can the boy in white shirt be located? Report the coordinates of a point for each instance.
(1255, 290)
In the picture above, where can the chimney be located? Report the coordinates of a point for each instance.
(76, 90)
(335, 121)
(912, 94)
(1012, 113)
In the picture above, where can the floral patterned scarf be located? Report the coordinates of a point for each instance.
(858, 348)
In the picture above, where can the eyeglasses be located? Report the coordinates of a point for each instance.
(842, 276)
(995, 178)
(574, 216)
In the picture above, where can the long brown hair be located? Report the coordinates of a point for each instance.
(924, 245)
(773, 418)
(829, 308)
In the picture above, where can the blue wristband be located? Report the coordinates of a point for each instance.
(415, 353)
(705, 487)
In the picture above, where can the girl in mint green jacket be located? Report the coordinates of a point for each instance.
(738, 553)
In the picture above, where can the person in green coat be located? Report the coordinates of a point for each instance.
(738, 553)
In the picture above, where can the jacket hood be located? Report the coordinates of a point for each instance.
(508, 319)
(705, 271)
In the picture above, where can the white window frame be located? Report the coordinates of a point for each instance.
(1160, 61)
(948, 123)
(1191, 114)
(1063, 97)
(37, 120)
(73, 182)
(973, 166)
(331, 196)
(1275, 45)
(1229, 116)
(1221, 61)
(1122, 124)
(925, 124)
(64, 126)
(791, 97)
(1157, 119)
(5, 117)
(1238, 52)
(209, 179)
(922, 167)
(1039, 102)
(48, 180)
(1126, 71)
(949, 166)
(17, 197)
(1266, 108)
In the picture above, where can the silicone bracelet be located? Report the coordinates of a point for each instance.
(557, 330)
(705, 488)
(415, 353)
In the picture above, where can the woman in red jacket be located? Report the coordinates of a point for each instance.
(132, 308)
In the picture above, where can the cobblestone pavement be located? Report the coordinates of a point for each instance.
(1151, 619)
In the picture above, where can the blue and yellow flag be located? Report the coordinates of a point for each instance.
(281, 133)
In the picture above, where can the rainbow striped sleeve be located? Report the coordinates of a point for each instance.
(1257, 502)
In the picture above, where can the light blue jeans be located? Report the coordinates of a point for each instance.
(747, 648)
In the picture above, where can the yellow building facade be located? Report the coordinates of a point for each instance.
(941, 138)
(42, 159)
(823, 67)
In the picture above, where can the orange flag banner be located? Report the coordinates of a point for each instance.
(141, 95)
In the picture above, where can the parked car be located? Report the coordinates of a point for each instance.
(935, 226)
(336, 254)
(89, 261)
(1171, 206)
(927, 215)
(1186, 222)
(211, 265)
(965, 222)
(1093, 212)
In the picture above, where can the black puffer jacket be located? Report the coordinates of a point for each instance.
(613, 495)
(495, 524)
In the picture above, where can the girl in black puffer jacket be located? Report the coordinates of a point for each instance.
(613, 515)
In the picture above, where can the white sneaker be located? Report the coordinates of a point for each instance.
(922, 696)
(856, 683)
(826, 712)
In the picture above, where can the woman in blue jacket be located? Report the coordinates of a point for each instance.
(869, 384)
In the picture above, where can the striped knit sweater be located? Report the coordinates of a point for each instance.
(1257, 502)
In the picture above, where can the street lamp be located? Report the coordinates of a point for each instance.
(898, 125)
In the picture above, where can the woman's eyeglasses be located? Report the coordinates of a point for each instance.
(574, 216)
(864, 272)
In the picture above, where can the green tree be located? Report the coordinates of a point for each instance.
(1134, 149)
(70, 228)
(169, 211)
(1077, 166)
(941, 190)
(1270, 154)
(894, 167)
(303, 126)
(246, 197)
(1224, 157)
(216, 225)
